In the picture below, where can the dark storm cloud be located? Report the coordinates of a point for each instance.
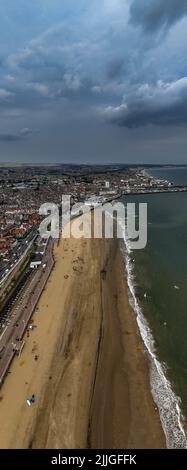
(75, 58)
(164, 104)
(9, 137)
(154, 15)
(13, 137)
(115, 68)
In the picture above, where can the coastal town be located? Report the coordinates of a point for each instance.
(24, 190)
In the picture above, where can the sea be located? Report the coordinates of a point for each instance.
(157, 279)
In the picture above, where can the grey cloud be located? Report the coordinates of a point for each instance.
(25, 131)
(40, 88)
(4, 94)
(65, 56)
(163, 104)
(154, 15)
(115, 68)
(14, 137)
(9, 137)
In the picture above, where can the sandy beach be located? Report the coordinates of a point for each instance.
(91, 379)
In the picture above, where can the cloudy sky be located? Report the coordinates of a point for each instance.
(93, 81)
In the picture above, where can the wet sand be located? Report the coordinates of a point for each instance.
(91, 378)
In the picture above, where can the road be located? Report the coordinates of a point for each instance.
(11, 340)
(18, 253)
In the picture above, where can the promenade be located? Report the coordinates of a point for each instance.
(11, 340)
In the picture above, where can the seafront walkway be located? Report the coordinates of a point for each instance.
(12, 338)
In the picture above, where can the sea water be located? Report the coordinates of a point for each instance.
(157, 278)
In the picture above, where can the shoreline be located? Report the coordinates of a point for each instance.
(92, 376)
(169, 404)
